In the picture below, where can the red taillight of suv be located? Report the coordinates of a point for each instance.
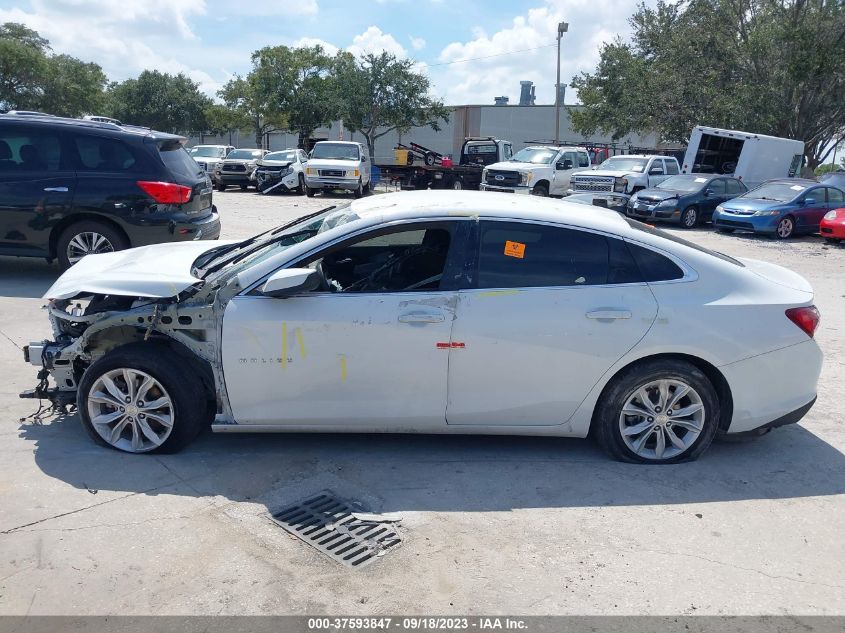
(807, 318)
(166, 192)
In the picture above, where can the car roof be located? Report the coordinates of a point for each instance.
(339, 142)
(556, 148)
(50, 121)
(438, 203)
(793, 181)
(641, 156)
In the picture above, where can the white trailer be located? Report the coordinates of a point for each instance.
(752, 158)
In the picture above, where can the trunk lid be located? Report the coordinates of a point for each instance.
(778, 275)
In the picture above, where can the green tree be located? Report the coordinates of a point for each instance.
(296, 82)
(73, 87)
(242, 96)
(23, 63)
(221, 120)
(169, 103)
(380, 94)
(766, 66)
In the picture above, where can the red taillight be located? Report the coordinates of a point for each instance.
(166, 192)
(807, 318)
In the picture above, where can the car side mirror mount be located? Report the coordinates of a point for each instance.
(564, 164)
(708, 192)
(290, 281)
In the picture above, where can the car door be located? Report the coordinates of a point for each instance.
(656, 172)
(36, 187)
(810, 214)
(552, 308)
(718, 193)
(373, 354)
(565, 164)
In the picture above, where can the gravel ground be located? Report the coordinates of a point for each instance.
(491, 524)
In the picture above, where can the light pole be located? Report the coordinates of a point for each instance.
(562, 28)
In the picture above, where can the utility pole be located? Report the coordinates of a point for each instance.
(562, 28)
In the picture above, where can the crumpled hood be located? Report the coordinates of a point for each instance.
(655, 195)
(159, 270)
(275, 163)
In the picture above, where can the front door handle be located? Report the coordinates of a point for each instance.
(422, 317)
(56, 189)
(609, 314)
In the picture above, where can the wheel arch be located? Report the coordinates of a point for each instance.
(543, 182)
(72, 219)
(716, 378)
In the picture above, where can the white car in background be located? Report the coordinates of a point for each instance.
(338, 165)
(281, 171)
(542, 170)
(209, 156)
(626, 174)
(434, 312)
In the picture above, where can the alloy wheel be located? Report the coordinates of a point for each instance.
(87, 243)
(662, 419)
(785, 228)
(690, 217)
(130, 410)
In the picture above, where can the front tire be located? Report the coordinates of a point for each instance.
(689, 218)
(87, 238)
(785, 228)
(244, 187)
(541, 191)
(657, 412)
(136, 400)
(359, 192)
(221, 186)
(833, 241)
(300, 190)
(309, 191)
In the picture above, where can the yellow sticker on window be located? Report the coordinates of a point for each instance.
(515, 249)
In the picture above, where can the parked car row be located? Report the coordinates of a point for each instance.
(332, 165)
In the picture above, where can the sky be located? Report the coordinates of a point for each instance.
(211, 40)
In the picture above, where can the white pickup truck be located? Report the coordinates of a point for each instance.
(626, 174)
(542, 170)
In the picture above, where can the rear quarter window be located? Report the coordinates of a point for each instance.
(646, 228)
(654, 266)
(179, 162)
(106, 154)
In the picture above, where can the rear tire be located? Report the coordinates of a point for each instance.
(221, 186)
(659, 435)
(457, 185)
(177, 392)
(88, 235)
(244, 187)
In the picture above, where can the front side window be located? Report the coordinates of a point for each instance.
(717, 186)
(107, 154)
(657, 168)
(523, 255)
(29, 151)
(407, 259)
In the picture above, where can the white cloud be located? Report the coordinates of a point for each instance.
(417, 43)
(330, 48)
(373, 40)
(107, 31)
(591, 23)
(279, 7)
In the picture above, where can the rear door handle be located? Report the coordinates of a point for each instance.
(609, 314)
(56, 189)
(422, 317)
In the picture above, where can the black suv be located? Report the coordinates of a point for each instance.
(69, 188)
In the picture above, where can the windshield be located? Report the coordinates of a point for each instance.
(244, 154)
(281, 156)
(775, 191)
(265, 245)
(683, 183)
(209, 152)
(535, 155)
(623, 163)
(335, 151)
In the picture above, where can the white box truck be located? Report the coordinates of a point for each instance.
(752, 158)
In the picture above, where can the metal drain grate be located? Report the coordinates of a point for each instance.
(329, 524)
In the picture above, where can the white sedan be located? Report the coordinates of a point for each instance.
(434, 312)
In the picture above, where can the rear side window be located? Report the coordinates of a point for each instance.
(671, 167)
(179, 162)
(23, 150)
(654, 266)
(583, 159)
(521, 255)
(647, 228)
(105, 154)
(835, 196)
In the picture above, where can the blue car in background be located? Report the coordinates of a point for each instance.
(687, 199)
(782, 208)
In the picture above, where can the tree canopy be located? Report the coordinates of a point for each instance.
(380, 94)
(766, 66)
(33, 78)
